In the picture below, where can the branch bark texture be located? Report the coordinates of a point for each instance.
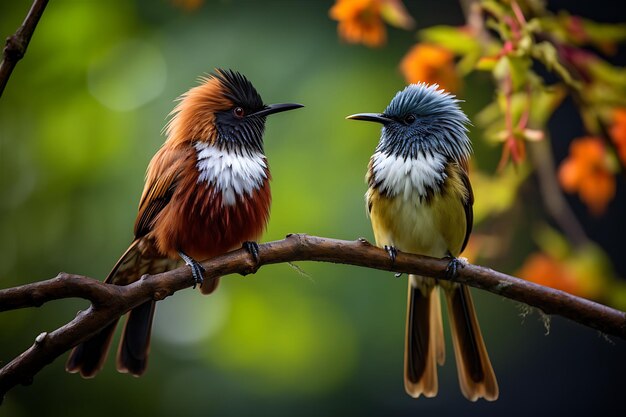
(17, 43)
(108, 302)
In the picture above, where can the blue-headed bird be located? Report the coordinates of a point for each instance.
(420, 201)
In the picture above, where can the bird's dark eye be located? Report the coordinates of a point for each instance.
(409, 119)
(239, 112)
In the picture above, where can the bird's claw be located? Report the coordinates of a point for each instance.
(392, 252)
(452, 270)
(253, 249)
(197, 270)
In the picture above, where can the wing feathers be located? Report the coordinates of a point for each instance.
(161, 181)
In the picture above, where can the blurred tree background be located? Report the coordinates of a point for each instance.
(82, 116)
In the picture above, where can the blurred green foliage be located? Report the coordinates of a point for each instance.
(79, 121)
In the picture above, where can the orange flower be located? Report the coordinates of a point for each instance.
(618, 132)
(360, 21)
(586, 171)
(431, 64)
(543, 269)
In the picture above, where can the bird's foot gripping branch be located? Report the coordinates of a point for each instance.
(110, 302)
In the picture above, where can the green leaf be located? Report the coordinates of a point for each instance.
(601, 94)
(604, 32)
(394, 13)
(607, 73)
(552, 242)
(486, 63)
(547, 54)
(544, 102)
(593, 265)
(501, 69)
(489, 115)
(469, 63)
(617, 294)
(455, 39)
(580, 31)
(519, 67)
(494, 8)
(496, 194)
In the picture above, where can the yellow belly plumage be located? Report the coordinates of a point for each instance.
(434, 227)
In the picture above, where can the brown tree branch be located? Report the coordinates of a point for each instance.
(109, 302)
(17, 43)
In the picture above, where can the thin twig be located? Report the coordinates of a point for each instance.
(552, 195)
(110, 301)
(17, 43)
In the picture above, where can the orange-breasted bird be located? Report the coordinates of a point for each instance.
(420, 201)
(207, 192)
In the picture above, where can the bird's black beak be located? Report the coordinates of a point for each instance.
(276, 108)
(371, 117)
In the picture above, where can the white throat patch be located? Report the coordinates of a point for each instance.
(231, 173)
(398, 176)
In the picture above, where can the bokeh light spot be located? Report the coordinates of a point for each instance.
(276, 338)
(186, 318)
(128, 75)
